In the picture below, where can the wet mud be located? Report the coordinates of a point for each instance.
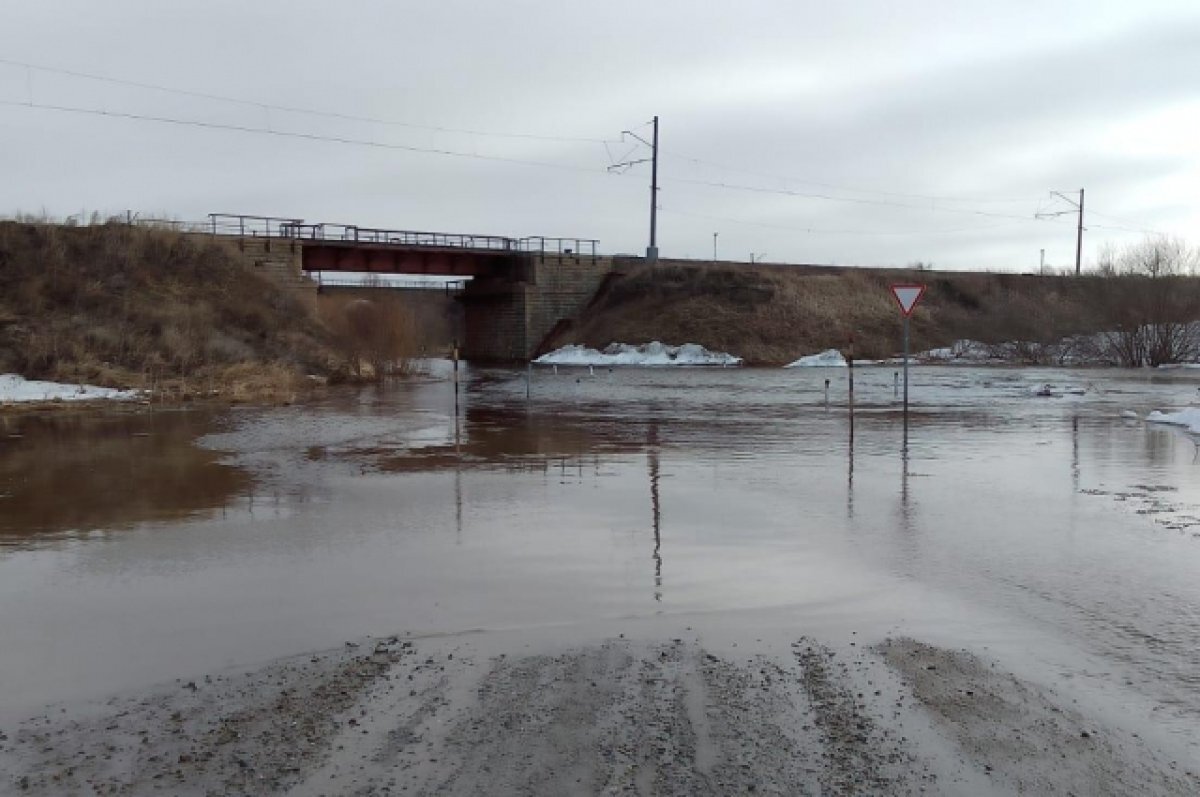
(1026, 738)
(620, 716)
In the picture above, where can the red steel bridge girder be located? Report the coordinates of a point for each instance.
(330, 256)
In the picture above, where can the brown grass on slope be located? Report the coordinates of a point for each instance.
(130, 306)
(773, 314)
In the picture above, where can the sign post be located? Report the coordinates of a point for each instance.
(907, 296)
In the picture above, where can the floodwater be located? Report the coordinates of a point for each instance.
(138, 547)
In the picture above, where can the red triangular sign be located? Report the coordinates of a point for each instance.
(907, 296)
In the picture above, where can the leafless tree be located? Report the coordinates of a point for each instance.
(1151, 319)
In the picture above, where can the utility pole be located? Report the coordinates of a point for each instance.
(652, 249)
(1042, 263)
(1078, 208)
(1079, 234)
(714, 247)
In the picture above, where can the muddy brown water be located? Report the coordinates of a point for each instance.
(138, 547)
(65, 474)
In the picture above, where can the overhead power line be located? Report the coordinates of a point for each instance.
(324, 113)
(835, 187)
(1146, 230)
(835, 198)
(362, 142)
(293, 134)
(800, 229)
(446, 152)
(295, 109)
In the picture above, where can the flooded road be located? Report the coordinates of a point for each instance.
(1050, 532)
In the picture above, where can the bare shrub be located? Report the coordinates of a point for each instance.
(376, 337)
(1148, 303)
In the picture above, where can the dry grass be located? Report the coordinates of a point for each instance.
(773, 314)
(148, 307)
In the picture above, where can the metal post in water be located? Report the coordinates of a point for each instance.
(907, 296)
(826, 394)
(528, 380)
(454, 356)
(895, 384)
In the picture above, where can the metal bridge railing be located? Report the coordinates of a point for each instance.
(251, 226)
(371, 235)
(297, 229)
(558, 246)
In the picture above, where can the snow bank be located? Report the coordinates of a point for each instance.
(653, 353)
(1189, 419)
(15, 388)
(830, 358)
(1086, 349)
(961, 351)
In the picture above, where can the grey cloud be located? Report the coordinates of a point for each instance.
(876, 95)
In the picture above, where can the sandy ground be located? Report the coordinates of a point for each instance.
(502, 713)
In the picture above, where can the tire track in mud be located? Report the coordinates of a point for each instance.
(1020, 734)
(617, 717)
(664, 719)
(860, 756)
(249, 733)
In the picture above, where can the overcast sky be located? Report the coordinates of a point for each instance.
(857, 132)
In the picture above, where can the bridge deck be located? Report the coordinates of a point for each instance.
(347, 247)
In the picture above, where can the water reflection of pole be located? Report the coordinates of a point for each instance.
(1075, 453)
(455, 358)
(655, 507)
(850, 479)
(850, 378)
(458, 512)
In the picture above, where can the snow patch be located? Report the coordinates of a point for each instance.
(970, 351)
(653, 353)
(1189, 419)
(830, 358)
(1098, 348)
(14, 388)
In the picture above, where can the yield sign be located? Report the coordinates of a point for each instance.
(907, 297)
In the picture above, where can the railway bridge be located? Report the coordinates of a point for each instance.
(517, 291)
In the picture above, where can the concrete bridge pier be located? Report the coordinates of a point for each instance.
(510, 317)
